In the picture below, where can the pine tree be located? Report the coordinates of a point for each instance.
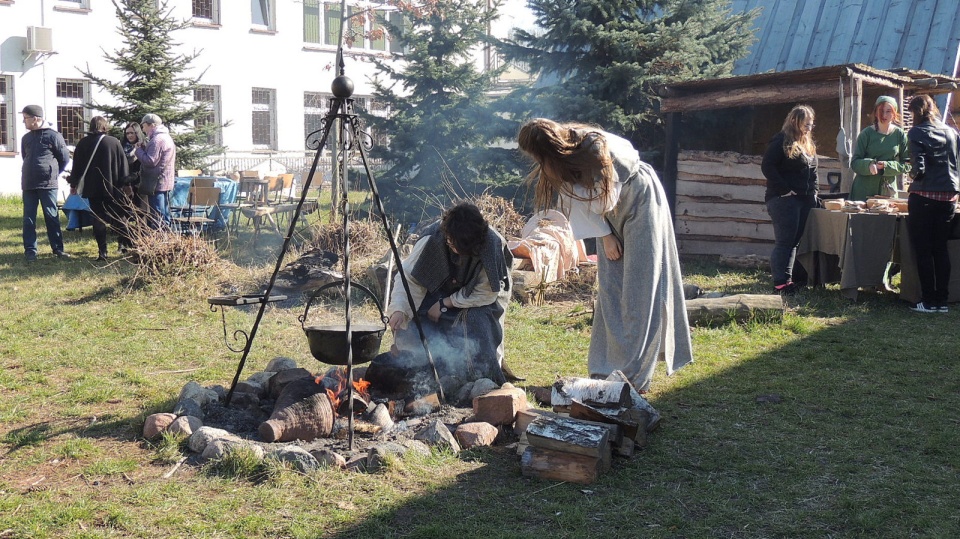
(440, 120)
(600, 61)
(155, 80)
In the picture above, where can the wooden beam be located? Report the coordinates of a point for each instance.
(671, 151)
(742, 97)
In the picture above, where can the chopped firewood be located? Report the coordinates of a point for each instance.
(579, 410)
(599, 393)
(571, 436)
(525, 417)
(559, 466)
(381, 416)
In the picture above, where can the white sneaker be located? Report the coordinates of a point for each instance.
(924, 308)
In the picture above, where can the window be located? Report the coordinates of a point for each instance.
(398, 20)
(321, 25)
(331, 24)
(210, 97)
(315, 107)
(7, 144)
(264, 116)
(72, 116)
(72, 4)
(261, 12)
(206, 11)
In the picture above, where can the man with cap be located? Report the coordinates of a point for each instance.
(45, 157)
(881, 154)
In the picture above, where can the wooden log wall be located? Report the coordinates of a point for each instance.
(720, 207)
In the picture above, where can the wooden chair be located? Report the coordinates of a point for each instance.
(195, 217)
(188, 172)
(203, 181)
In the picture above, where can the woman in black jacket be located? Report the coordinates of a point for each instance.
(933, 200)
(790, 166)
(101, 163)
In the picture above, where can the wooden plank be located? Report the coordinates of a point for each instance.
(719, 157)
(730, 192)
(687, 177)
(730, 210)
(725, 229)
(578, 410)
(743, 97)
(696, 246)
(604, 393)
(729, 170)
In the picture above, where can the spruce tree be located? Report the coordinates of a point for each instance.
(440, 121)
(600, 61)
(155, 80)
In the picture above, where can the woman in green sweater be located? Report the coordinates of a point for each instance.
(881, 154)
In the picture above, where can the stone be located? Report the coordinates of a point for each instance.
(246, 401)
(252, 387)
(329, 459)
(377, 455)
(185, 425)
(475, 434)
(296, 455)
(416, 446)
(281, 363)
(156, 424)
(262, 377)
(482, 387)
(500, 406)
(199, 440)
(282, 378)
(200, 394)
(463, 396)
(357, 463)
(437, 434)
(188, 407)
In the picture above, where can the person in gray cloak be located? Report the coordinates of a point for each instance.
(459, 277)
(607, 192)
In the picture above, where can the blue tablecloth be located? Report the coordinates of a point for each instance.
(78, 212)
(228, 195)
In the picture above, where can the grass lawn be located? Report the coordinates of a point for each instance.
(862, 443)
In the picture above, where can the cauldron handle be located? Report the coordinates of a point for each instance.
(303, 317)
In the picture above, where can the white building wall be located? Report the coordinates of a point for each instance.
(236, 57)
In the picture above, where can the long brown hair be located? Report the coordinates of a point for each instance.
(566, 155)
(924, 109)
(795, 141)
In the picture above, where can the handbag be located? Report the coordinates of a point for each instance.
(149, 180)
(84, 175)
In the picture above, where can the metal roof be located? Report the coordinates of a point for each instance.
(885, 34)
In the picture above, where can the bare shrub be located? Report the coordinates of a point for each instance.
(501, 214)
(164, 254)
(366, 238)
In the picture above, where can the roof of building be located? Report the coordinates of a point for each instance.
(885, 34)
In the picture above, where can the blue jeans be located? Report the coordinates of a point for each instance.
(789, 216)
(159, 209)
(46, 199)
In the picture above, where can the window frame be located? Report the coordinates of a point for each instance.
(71, 137)
(271, 109)
(268, 9)
(72, 5)
(214, 108)
(213, 20)
(8, 116)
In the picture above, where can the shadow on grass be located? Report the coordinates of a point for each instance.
(845, 429)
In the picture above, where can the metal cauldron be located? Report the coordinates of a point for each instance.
(328, 343)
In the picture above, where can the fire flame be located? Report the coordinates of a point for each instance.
(361, 386)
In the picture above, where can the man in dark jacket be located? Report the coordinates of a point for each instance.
(100, 162)
(45, 157)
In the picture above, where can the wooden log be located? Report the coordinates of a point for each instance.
(628, 429)
(728, 210)
(525, 417)
(696, 245)
(559, 466)
(729, 170)
(743, 97)
(724, 229)
(603, 393)
(422, 406)
(724, 191)
(740, 307)
(571, 436)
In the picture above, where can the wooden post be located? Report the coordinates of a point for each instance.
(670, 153)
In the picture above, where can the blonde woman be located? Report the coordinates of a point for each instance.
(790, 167)
(598, 180)
(881, 155)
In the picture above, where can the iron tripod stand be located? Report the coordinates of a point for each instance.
(351, 138)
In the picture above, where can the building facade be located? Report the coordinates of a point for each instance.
(266, 69)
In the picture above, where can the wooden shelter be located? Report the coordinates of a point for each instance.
(717, 131)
